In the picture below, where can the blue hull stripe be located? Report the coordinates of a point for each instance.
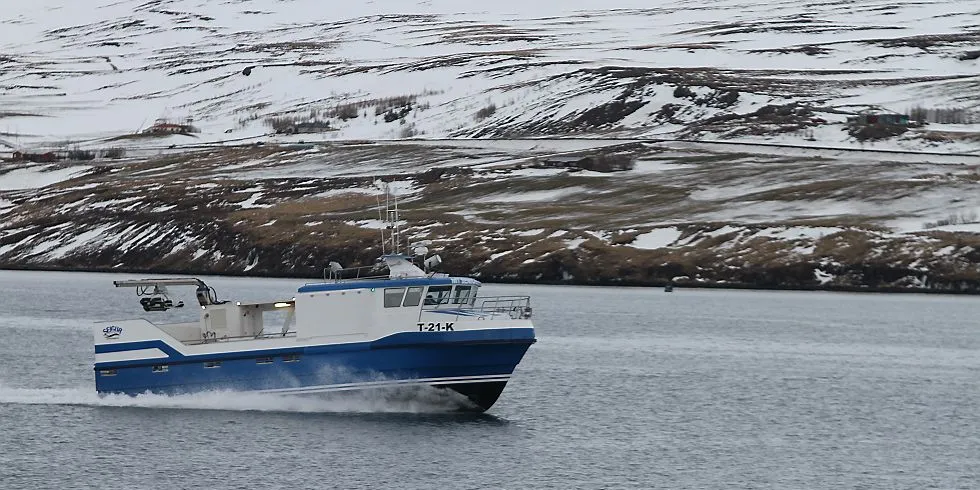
(394, 341)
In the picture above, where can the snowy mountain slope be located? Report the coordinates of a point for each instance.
(88, 72)
(537, 210)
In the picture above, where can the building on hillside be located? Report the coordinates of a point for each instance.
(878, 119)
(876, 125)
(615, 162)
(47, 157)
(163, 126)
(305, 127)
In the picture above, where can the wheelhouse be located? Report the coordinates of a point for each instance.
(427, 292)
(433, 293)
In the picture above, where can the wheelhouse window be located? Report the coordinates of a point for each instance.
(263, 360)
(413, 296)
(461, 295)
(290, 358)
(107, 372)
(393, 297)
(438, 295)
(212, 364)
(161, 369)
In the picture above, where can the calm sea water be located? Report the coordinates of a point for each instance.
(626, 388)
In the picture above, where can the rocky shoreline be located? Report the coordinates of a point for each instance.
(585, 266)
(954, 288)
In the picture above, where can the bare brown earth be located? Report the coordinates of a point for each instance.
(499, 214)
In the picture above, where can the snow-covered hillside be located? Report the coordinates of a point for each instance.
(575, 141)
(87, 72)
(583, 211)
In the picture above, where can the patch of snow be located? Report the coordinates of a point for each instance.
(343, 192)
(160, 236)
(45, 246)
(250, 202)
(113, 203)
(81, 240)
(499, 255)
(13, 246)
(530, 196)
(966, 227)
(37, 177)
(373, 224)
(180, 245)
(144, 234)
(918, 282)
(535, 172)
(656, 238)
(534, 232)
(92, 185)
(690, 240)
(803, 250)
(601, 235)
(574, 243)
(822, 277)
(656, 167)
(724, 230)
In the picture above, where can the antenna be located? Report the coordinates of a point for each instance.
(393, 225)
(390, 222)
(381, 219)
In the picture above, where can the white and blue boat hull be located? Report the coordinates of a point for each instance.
(474, 363)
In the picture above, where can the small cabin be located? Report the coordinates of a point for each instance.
(305, 127)
(162, 126)
(605, 163)
(878, 119)
(46, 157)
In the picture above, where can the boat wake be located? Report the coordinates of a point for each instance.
(375, 401)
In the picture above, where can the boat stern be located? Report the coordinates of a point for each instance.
(124, 342)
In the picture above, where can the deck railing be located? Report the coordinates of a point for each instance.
(239, 338)
(513, 307)
(354, 273)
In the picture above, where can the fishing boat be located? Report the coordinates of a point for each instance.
(394, 325)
